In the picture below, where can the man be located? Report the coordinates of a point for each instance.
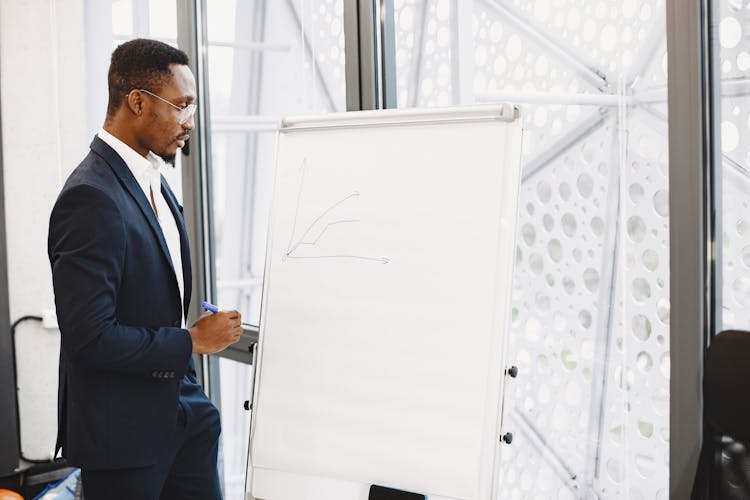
(131, 414)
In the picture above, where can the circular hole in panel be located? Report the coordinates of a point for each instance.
(645, 428)
(730, 136)
(608, 38)
(636, 193)
(613, 470)
(568, 359)
(568, 284)
(548, 222)
(650, 259)
(641, 327)
(544, 191)
(641, 290)
(636, 229)
(554, 248)
(644, 362)
(559, 418)
(589, 30)
(628, 8)
(444, 38)
(542, 10)
(644, 464)
(617, 434)
(591, 279)
(743, 61)
(584, 316)
(645, 13)
(569, 224)
(528, 233)
(746, 256)
(533, 330)
(661, 203)
(496, 32)
(513, 47)
(519, 255)
(550, 280)
(730, 32)
(564, 190)
(742, 228)
(406, 18)
(597, 226)
(585, 185)
(573, 20)
(664, 364)
(660, 401)
(587, 350)
(514, 316)
(536, 263)
(543, 302)
(741, 289)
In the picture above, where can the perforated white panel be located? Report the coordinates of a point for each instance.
(590, 331)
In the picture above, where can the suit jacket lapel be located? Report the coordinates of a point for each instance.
(131, 185)
(176, 210)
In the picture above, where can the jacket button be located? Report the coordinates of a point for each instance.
(177, 323)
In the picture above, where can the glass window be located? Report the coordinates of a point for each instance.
(734, 52)
(733, 216)
(590, 310)
(266, 60)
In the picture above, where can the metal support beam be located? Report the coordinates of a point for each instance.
(581, 131)
(415, 65)
(692, 238)
(196, 180)
(546, 451)
(9, 445)
(555, 48)
(370, 54)
(310, 54)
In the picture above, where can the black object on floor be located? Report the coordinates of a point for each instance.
(383, 493)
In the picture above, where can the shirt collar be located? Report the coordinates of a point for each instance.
(145, 170)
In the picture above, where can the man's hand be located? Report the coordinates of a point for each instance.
(215, 332)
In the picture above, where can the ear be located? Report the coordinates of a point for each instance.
(134, 102)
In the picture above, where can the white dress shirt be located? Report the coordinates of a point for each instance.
(147, 172)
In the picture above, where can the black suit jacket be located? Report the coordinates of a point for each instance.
(123, 356)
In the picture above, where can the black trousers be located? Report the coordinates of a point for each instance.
(185, 471)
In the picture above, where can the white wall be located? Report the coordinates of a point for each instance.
(44, 136)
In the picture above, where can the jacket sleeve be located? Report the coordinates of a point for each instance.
(87, 248)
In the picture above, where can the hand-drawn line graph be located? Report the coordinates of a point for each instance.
(320, 226)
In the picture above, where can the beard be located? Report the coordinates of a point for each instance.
(169, 159)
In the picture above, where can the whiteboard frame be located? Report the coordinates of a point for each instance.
(297, 486)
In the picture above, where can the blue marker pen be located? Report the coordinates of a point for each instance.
(209, 307)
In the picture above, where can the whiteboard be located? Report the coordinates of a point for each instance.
(386, 304)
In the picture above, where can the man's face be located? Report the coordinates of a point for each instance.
(161, 131)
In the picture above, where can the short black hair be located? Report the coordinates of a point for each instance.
(140, 64)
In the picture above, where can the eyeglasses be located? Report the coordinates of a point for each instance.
(184, 113)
